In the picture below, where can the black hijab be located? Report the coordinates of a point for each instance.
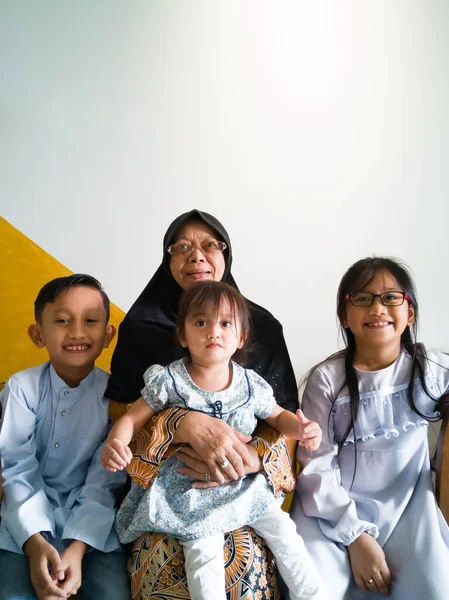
(146, 335)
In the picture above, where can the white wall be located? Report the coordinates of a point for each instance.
(317, 132)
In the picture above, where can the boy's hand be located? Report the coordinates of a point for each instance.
(42, 555)
(115, 456)
(71, 560)
(309, 432)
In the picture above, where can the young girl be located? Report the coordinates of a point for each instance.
(213, 324)
(364, 502)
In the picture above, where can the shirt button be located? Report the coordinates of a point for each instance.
(66, 393)
(63, 413)
(57, 445)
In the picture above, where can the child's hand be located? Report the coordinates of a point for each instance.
(369, 566)
(115, 456)
(42, 555)
(309, 432)
(71, 560)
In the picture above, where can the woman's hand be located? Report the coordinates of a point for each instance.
(216, 444)
(368, 564)
(199, 470)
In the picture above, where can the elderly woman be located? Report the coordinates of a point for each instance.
(197, 248)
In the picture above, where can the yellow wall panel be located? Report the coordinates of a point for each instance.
(24, 269)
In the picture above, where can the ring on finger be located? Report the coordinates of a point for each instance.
(207, 477)
(224, 464)
(370, 581)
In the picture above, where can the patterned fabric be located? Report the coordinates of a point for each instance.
(157, 571)
(156, 567)
(247, 397)
(277, 464)
(152, 445)
(171, 505)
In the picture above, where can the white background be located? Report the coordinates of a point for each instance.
(317, 132)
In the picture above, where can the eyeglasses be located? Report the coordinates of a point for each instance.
(387, 298)
(209, 247)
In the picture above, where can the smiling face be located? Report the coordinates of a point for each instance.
(379, 325)
(212, 337)
(74, 330)
(191, 268)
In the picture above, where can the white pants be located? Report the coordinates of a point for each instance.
(204, 559)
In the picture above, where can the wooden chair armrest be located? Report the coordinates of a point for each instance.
(442, 464)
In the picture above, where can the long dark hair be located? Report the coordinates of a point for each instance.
(356, 278)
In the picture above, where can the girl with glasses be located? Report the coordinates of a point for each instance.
(213, 327)
(364, 501)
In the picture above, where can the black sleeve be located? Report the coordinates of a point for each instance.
(270, 359)
(130, 360)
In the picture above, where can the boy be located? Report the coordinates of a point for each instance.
(57, 499)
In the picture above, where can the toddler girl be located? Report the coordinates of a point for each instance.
(364, 502)
(213, 324)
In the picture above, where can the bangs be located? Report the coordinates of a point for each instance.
(210, 301)
(207, 299)
(367, 276)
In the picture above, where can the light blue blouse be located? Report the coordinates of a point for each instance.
(50, 444)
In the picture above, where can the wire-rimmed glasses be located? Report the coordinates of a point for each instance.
(207, 247)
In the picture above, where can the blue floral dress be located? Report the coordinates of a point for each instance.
(171, 505)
